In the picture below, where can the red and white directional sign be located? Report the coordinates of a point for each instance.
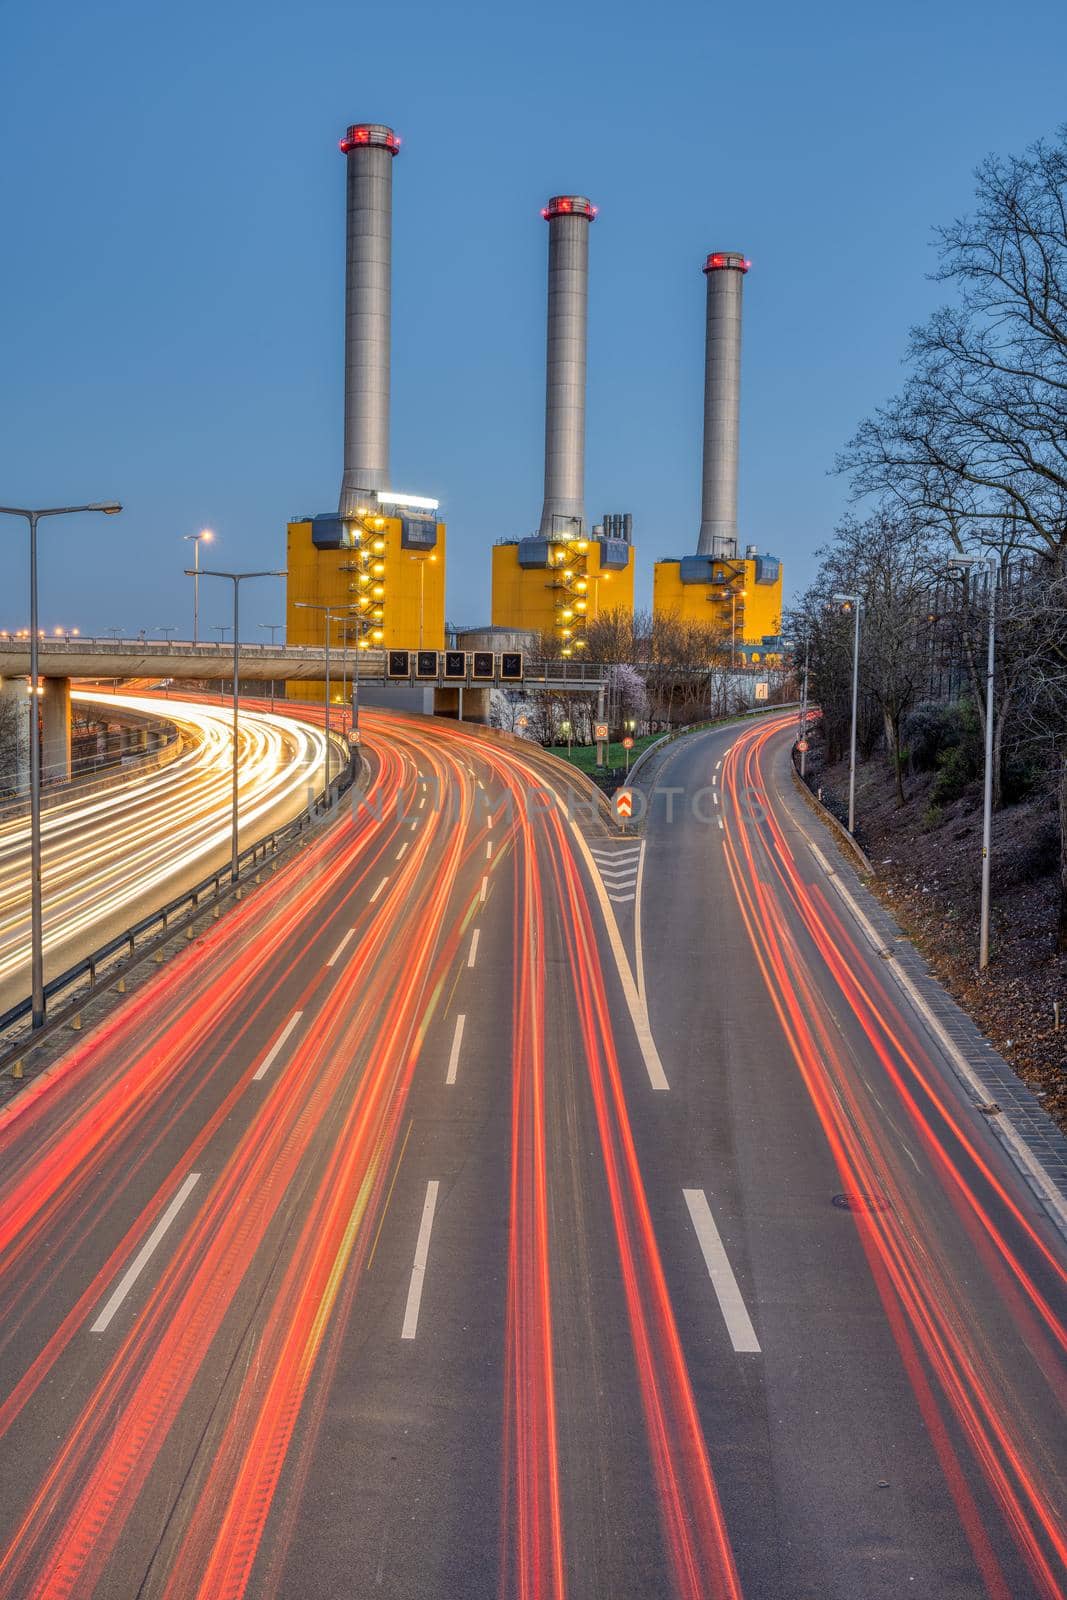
(624, 803)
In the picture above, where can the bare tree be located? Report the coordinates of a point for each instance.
(977, 441)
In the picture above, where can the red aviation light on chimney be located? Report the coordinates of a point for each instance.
(372, 134)
(727, 260)
(569, 205)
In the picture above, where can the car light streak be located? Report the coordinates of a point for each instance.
(923, 1300)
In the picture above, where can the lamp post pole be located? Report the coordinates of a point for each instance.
(330, 614)
(987, 782)
(195, 539)
(804, 711)
(236, 578)
(110, 508)
(274, 628)
(856, 603)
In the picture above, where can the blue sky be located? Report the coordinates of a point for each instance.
(171, 277)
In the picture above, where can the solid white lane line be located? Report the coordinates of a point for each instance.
(453, 1054)
(378, 890)
(141, 1259)
(473, 956)
(272, 1054)
(1020, 1151)
(639, 955)
(400, 852)
(484, 889)
(335, 958)
(418, 1270)
(738, 1323)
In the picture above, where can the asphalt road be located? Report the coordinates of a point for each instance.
(381, 1246)
(111, 857)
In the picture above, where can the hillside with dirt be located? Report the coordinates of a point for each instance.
(927, 860)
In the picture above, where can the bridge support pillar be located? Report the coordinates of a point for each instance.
(14, 737)
(55, 730)
(465, 703)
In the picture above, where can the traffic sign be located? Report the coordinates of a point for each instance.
(426, 663)
(762, 690)
(455, 663)
(523, 721)
(511, 665)
(624, 803)
(802, 744)
(398, 663)
(353, 737)
(627, 743)
(600, 731)
(482, 664)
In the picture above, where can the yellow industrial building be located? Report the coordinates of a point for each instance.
(383, 576)
(558, 586)
(741, 595)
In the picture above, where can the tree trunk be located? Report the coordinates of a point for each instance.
(892, 739)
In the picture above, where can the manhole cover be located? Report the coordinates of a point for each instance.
(860, 1202)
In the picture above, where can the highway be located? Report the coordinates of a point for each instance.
(491, 1206)
(111, 857)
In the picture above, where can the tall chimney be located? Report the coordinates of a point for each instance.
(568, 217)
(725, 270)
(369, 148)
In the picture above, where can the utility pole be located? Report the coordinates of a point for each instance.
(992, 564)
(236, 578)
(856, 603)
(109, 508)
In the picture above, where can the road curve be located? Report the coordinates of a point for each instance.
(110, 857)
(457, 1218)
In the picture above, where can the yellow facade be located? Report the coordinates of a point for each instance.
(559, 586)
(736, 589)
(398, 593)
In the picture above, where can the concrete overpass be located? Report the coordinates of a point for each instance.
(91, 660)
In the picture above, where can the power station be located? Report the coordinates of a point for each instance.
(373, 572)
(739, 596)
(371, 575)
(555, 582)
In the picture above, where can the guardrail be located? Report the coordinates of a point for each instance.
(210, 889)
(700, 727)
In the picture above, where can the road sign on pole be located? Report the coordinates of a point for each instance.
(600, 730)
(802, 745)
(624, 803)
(762, 690)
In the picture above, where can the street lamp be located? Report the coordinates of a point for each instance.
(273, 628)
(197, 539)
(565, 728)
(331, 614)
(166, 632)
(236, 578)
(110, 508)
(991, 562)
(854, 601)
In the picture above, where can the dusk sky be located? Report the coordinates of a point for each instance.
(171, 280)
